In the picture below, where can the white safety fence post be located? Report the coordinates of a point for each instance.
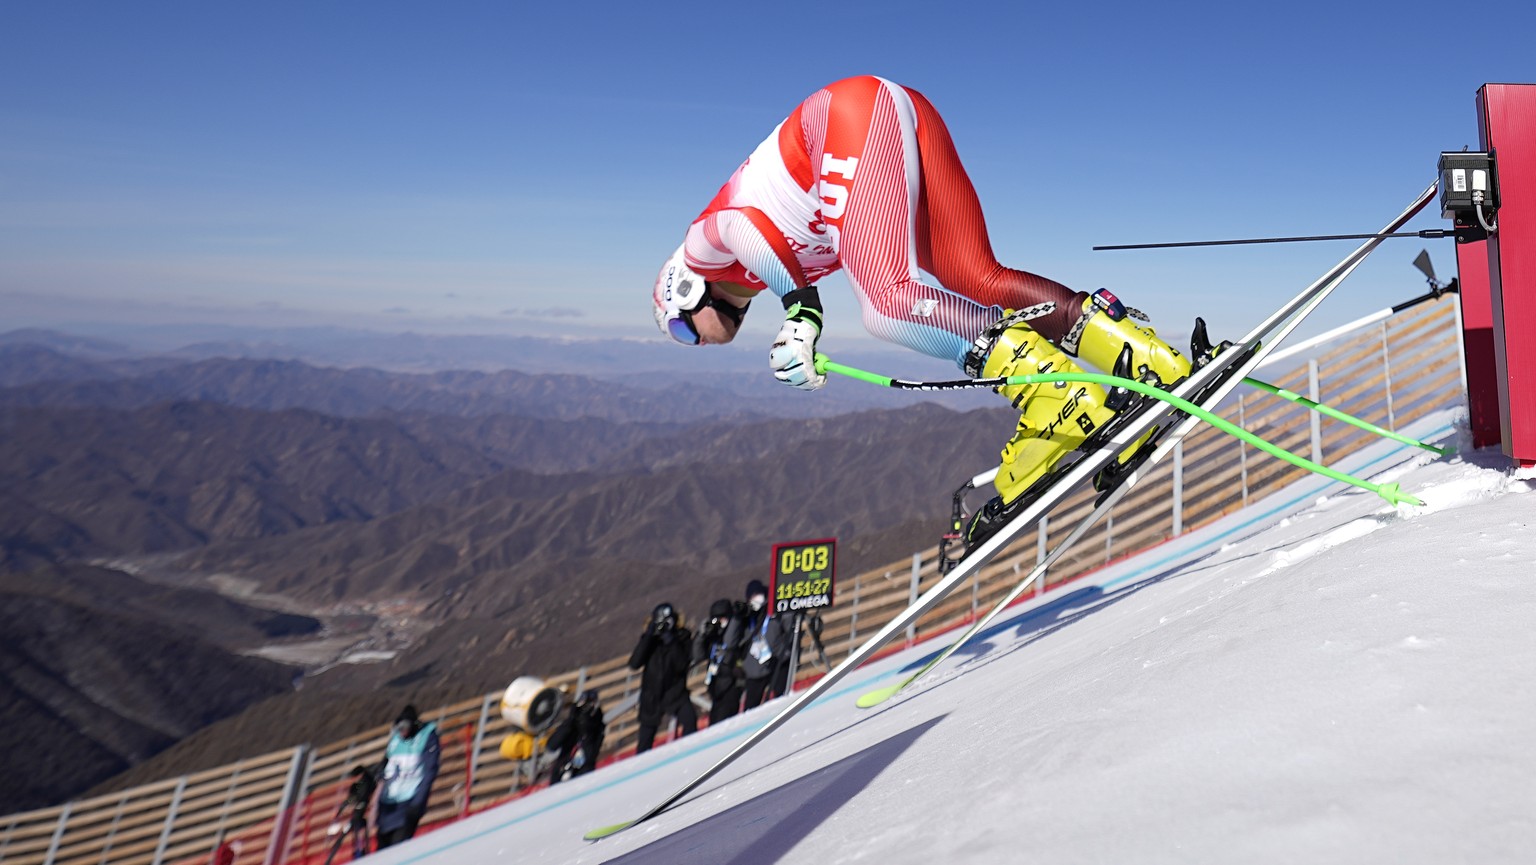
(1178, 488)
(474, 751)
(917, 562)
(277, 846)
(1314, 392)
(170, 821)
(853, 620)
(58, 834)
(1386, 371)
(229, 801)
(1242, 450)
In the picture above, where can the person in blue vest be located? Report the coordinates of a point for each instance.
(411, 761)
(767, 640)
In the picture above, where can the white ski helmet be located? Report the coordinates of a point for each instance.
(679, 291)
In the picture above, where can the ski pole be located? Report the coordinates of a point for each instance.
(1391, 492)
(1427, 234)
(1334, 413)
(825, 364)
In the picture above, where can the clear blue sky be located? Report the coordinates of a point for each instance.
(510, 167)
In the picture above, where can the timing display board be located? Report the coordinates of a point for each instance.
(803, 575)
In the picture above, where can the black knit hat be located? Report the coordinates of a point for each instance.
(756, 587)
(409, 715)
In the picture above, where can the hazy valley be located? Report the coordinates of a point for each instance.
(194, 518)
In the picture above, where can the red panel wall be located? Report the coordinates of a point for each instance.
(1477, 341)
(1508, 114)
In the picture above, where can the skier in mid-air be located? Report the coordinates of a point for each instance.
(863, 177)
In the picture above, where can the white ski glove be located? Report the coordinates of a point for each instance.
(793, 356)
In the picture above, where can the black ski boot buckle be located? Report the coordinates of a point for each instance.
(956, 533)
(1117, 398)
(1200, 348)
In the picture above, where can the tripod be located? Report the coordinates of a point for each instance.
(359, 842)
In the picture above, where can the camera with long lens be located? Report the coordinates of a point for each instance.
(663, 619)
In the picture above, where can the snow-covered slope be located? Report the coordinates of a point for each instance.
(1317, 678)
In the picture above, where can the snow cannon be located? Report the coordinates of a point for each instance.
(530, 705)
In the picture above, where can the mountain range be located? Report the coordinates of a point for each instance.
(102, 671)
(607, 359)
(472, 526)
(35, 376)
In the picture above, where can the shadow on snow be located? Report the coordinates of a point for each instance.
(766, 828)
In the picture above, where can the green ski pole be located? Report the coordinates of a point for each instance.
(1334, 413)
(825, 364)
(1390, 492)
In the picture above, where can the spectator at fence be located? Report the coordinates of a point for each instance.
(411, 761)
(664, 653)
(578, 739)
(723, 678)
(765, 661)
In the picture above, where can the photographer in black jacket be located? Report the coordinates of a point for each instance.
(663, 652)
(578, 739)
(724, 677)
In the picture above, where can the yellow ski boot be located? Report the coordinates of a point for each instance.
(1055, 419)
(1108, 331)
(1109, 337)
(1059, 418)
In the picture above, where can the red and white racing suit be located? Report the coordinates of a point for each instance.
(863, 176)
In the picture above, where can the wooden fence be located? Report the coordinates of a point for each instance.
(278, 807)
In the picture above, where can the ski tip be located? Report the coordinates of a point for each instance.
(875, 698)
(605, 831)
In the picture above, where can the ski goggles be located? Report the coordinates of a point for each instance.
(679, 324)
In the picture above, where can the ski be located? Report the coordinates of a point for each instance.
(1213, 381)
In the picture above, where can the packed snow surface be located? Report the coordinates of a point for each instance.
(1317, 678)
